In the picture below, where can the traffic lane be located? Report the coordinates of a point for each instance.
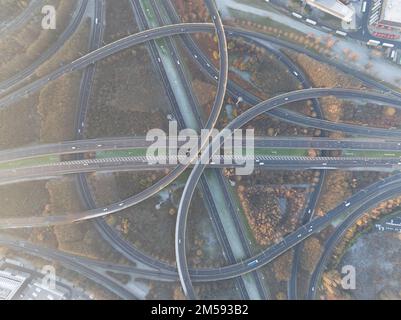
(121, 164)
(126, 143)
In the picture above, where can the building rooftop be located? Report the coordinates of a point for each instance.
(392, 11)
(36, 291)
(333, 7)
(9, 285)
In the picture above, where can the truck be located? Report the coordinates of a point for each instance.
(388, 45)
(252, 263)
(341, 33)
(373, 43)
(364, 6)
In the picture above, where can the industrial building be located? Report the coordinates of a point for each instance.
(10, 284)
(17, 282)
(391, 14)
(334, 8)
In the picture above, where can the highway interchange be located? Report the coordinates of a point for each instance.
(358, 204)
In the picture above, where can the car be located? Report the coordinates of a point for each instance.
(312, 22)
(296, 15)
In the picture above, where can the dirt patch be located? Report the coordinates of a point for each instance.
(271, 212)
(11, 8)
(128, 93)
(336, 189)
(376, 257)
(24, 199)
(120, 20)
(57, 107)
(19, 124)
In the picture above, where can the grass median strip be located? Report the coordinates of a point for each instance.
(371, 154)
(31, 162)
